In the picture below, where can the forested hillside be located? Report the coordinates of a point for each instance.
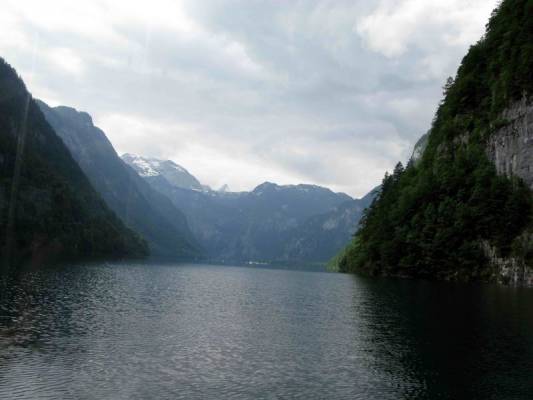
(138, 205)
(438, 218)
(48, 208)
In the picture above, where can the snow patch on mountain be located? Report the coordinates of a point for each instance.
(143, 167)
(174, 174)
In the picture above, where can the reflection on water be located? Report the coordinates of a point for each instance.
(190, 332)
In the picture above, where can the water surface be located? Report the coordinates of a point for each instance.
(201, 332)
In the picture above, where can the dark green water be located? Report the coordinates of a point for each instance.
(206, 332)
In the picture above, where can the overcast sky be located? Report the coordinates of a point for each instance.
(332, 93)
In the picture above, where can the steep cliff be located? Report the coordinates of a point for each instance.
(510, 147)
(141, 207)
(48, 208)
(463, 210)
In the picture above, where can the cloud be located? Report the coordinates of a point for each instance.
(326, 92)
(396, 25)
(66, 60)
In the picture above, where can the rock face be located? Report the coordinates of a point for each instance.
(508, 270)
(511, 147)
(420, 147)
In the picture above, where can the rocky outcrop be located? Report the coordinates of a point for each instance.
(508, 270)
(510, 147)
(420, 147)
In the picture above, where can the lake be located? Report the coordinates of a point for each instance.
(219, 332)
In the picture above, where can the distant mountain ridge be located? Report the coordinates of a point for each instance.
(271, 223)
(132, 198)
(324, 234)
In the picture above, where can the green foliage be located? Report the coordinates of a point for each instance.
(431, 218)
(338, 263)
(47, 206)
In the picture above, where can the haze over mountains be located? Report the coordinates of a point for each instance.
(272, 223)
(140, 207)
(135, 206)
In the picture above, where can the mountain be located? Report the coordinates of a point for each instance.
(48, 208)
(224, 188)
(464, 210)
(142, 208)
(321, 236)
(154, 169)
(272, 223)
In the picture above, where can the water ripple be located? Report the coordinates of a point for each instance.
(201, 332)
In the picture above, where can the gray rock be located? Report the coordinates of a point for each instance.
(511, 147)
(508, 270)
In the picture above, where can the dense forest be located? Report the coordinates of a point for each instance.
(48, 209)
(433, 218)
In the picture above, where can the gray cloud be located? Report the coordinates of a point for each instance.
(239, 92)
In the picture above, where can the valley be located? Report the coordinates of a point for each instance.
(266, 200)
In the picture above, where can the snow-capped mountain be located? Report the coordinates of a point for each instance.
(301, 223)
(176, 175)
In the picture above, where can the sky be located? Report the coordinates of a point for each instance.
(332, 93)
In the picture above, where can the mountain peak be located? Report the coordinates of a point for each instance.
(172, 172)
(302, 188)
(265, 186)
(143, 166)
(224, 189)
(68, 112)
